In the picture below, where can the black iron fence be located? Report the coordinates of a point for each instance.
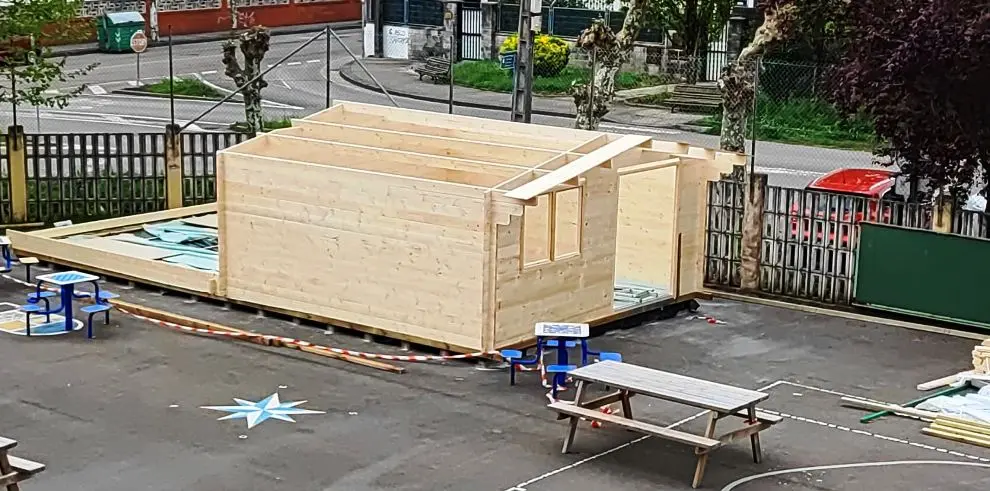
(93, 176)
(809, 238)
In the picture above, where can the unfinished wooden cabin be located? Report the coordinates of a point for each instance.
(450, 231)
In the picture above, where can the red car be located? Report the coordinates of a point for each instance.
(833, 213)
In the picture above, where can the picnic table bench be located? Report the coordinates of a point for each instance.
(13, 469)
(436, 67)
(720, 400)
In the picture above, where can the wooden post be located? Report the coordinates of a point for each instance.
(17, 158)
(173, 166)
(943, 215)
(752, 231)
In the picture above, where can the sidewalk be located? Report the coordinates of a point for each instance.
(91, 48)
(399, 79)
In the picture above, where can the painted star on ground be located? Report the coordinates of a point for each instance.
(257, 412)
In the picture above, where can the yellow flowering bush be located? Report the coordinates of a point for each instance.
(550, 53)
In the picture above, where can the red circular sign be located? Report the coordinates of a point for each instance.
(139, 42)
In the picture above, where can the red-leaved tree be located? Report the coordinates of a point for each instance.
(921, 69)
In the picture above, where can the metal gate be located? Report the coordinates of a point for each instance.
(471, 34)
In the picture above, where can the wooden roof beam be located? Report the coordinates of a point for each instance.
(599, 157)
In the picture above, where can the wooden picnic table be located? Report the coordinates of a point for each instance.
(719, 399)
(13, 469)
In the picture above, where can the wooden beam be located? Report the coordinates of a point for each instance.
(499, 153)
(111, 225)
(574, 169)
(659, 164)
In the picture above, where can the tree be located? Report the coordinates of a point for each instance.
(609, 51)
(253, 44)
(921, 69)
(696, 21)
(29, 69)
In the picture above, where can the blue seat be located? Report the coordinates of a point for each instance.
(93, 310)
(559, 377)
(553, 343)
(43, 296)
(105, 295)
(515, 358)
(608, 355)
(33, 308)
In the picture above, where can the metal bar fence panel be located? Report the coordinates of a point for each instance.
(5, 209)
(93, 176)
(809, 238)
(199, 168)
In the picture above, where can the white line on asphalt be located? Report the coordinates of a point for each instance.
(858, 465)
(293, 63)
(96, 89)
(286, 84)
(522, 486)
(790, 172)
(661, 131)
(313, 61)
(208, 72)
(52, 91)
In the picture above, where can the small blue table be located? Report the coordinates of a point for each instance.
(66, 281)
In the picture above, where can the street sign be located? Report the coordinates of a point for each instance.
(508, 60)
(139, 42)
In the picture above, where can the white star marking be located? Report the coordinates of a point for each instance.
(257, 412)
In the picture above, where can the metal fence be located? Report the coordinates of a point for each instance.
(93, 176)
(809, 238)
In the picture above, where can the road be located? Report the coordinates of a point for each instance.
(298, 87)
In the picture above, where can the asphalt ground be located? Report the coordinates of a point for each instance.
(123, 412)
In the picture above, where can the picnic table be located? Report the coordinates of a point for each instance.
(719, 399)
(66, 281)
(14, 469)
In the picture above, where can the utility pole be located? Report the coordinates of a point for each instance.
(522, 87)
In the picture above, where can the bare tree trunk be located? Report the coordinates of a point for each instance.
(254, 44)
(611, 52)
(737, 82)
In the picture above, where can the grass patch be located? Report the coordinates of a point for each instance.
(804, 122)
(267, 124)
(488, 75)
(184, 86)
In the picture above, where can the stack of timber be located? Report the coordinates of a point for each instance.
(980, 374)
(981, 358)
(960, 430)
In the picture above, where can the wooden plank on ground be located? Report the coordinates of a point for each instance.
(137, 251)
(578, 167)
(956, 437)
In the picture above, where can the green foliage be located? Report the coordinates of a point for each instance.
(550, 53)
(488, 75)
(267, 124)
(184, 86)
(22, 24)
(696, 21)
(805, 121)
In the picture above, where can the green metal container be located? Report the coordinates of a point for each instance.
(114, 31)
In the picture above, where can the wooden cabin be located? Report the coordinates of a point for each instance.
(450, 231)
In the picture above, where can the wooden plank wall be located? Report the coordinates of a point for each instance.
(575, 289)
(400, 254)
(647, 230)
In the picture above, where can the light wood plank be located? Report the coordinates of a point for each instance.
(638, 426)
(578, 167)
(103, 227)
(137, 251)
(208, 221)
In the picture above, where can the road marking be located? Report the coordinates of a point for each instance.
(313, 61)
(208, 72)
(661, 131)
(52, 91)
(286, 84)
(293, 63)
(522, 486)
(736, 483)
(96, 89)
(790, 172)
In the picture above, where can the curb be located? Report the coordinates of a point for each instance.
(477, 105)
(142, 93)
(208, 37)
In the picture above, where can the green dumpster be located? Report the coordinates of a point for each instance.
(114, 30)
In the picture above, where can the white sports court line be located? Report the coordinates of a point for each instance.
(522, 486)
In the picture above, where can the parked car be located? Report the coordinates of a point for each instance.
(833, 216)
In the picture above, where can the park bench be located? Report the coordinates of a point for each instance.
(436, 67)
(14, 469)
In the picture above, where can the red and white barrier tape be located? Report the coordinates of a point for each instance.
(285, 340)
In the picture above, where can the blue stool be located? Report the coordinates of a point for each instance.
(516, 357)
(36, 309)
(105, 295)
(93, 310)
(43, 296)
(559, 377)
(608, 355)
(561, 351)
